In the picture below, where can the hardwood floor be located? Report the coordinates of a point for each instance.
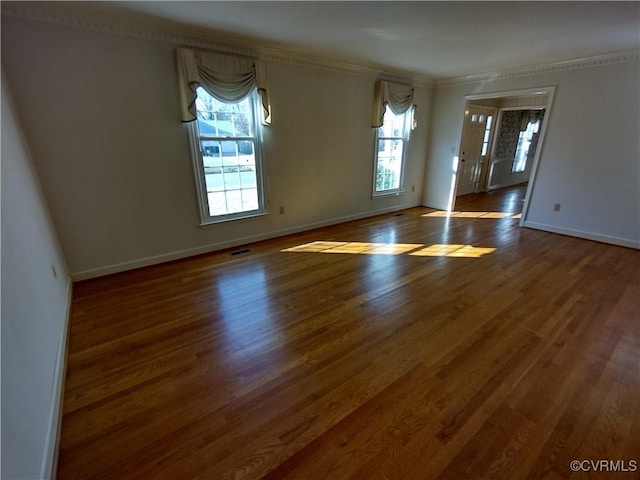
(296, 361)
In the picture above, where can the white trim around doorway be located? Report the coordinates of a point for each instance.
(549, 91)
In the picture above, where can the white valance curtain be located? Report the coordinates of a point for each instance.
(399, 98)
(229, 78)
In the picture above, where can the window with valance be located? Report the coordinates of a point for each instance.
(397, 96)
(229, 78)
(393, 118)
(225, 100)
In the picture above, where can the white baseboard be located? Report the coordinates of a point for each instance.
(50, 461)
(167, 257)
(505, 185)
(437, 206)
(622, 242)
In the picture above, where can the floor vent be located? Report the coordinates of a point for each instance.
(398, 214)
(240, 252)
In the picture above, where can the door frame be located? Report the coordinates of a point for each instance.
(549, 91)
(501, 111)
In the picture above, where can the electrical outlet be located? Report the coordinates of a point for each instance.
(556, 207)
(281, 209)
(413, 188)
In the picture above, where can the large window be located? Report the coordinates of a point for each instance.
(228, 157)
(391, 140)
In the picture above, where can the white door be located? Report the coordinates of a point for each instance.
(474, 148)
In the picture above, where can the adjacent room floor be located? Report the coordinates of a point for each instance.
(405, 346)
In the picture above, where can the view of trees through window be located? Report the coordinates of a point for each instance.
(390, 152)
(227, 139)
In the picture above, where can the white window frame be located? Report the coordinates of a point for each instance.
(199, 172)
(404, 138)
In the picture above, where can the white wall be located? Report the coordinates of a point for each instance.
(100, 113)
(589, 161)
(34, 312)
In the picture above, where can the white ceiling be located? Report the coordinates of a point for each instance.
(435, 39)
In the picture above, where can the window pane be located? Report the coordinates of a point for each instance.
(217, 203)
(246, 148)
(393, 125)
(229, 153)
(250, 198)
(389, 167)
(248, 179)
(214, 181)
(234, 201)
(389, 152)
(231, 178)
(223, 119)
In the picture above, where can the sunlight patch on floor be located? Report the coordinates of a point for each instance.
(355, 247)
(445, 214)
(315, 247)
(447, 250)
(415, 249)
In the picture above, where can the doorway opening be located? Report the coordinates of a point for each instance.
(501, 141)
(504, 202)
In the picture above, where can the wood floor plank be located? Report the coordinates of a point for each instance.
(509, 358)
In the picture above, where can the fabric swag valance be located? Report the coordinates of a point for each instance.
(229, 78)
(399, 98)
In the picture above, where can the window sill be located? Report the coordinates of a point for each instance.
(211, 223)
(394, 193)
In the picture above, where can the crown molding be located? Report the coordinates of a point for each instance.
(164, 31)
(531, 70)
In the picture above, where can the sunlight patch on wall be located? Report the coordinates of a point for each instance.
(415, 249)
(442, 213)
(454, 177)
